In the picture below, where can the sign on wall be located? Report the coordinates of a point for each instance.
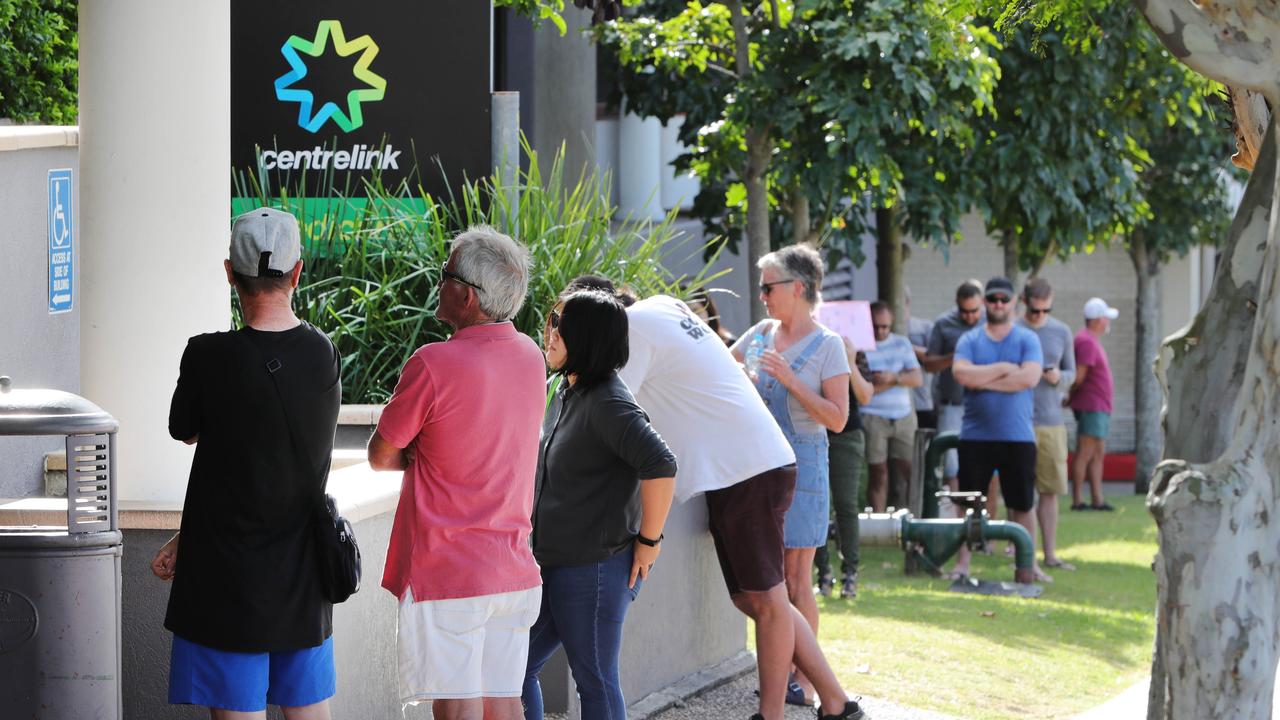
(61, 242)
(328, 95)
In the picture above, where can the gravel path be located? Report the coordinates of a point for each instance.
(737, 701)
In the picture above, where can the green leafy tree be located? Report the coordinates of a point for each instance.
(39, 61)
(835, 105)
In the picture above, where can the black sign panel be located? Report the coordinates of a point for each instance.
(331, 92)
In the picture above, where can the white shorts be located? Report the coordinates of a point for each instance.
(466, 647)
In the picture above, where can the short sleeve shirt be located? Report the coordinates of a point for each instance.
(1056, 346)
(698, 399)
(1095, 392)
(991, 415)
(826, 362)
(918, 331)
(946, 333)
(471, 407)
(247, 575)
(894, 355)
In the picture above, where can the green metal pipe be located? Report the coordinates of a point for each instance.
(938, 446)
(939, 539)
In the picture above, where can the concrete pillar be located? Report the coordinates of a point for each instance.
(640, 167)
(564, 104)
(155, 162)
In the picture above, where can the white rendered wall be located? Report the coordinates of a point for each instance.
(155, 158)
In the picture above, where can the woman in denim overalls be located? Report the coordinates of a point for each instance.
(803, 377)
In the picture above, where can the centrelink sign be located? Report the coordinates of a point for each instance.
(335, 93)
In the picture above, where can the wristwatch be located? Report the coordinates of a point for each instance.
(646, 541)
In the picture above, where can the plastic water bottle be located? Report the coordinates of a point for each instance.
(751, 358)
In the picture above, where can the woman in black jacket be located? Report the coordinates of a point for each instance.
(604, 487)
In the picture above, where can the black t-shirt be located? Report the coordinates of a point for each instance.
(247, 574)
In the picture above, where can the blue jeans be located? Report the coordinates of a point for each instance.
(583, 607)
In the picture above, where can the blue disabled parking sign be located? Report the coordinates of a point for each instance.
(61, 241)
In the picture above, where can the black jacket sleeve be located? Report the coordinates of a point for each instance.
(624, 428)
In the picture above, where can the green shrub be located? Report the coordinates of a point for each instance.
(39, 61)
(371, 284)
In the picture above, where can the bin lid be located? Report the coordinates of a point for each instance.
(49, 412)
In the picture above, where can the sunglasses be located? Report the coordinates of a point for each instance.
(445, 274)
(1039, 311)
(996, 299)
(553, 320)
(882, 327)
(767, 287)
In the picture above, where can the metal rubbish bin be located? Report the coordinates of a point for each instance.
(60, 586)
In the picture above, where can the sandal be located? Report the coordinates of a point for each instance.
(956, 575)
(1059, 564)
(795, 694)
(1079, 506)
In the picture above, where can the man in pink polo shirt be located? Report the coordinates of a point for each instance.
(463, 424)
(1090, 399)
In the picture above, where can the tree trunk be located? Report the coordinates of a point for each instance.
(1147, 395)
(1218, 568)
(759, 150)
(1009, 244)
(889, 265)
(800, 219)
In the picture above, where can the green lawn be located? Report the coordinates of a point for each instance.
(909, 640)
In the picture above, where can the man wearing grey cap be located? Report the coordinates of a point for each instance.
(250, 624)
(1090, 400)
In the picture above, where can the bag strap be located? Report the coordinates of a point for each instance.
(272, 366)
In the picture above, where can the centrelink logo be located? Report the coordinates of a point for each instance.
(359, 157)
(353, 117)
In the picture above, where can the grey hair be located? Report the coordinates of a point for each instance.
(496, 263)
(797, 262)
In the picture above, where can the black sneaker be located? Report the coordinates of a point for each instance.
(852, 711)
(849, 586)
(757, 716)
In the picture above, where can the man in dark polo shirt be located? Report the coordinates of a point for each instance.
(948, 395)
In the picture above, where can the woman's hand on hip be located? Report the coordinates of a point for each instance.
(645, 557)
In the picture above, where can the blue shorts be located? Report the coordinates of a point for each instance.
(1093, 423)
(247, 682)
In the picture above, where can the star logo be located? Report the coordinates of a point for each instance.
(350, 118)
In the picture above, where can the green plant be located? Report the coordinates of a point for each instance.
(372, 260)
(39, 60)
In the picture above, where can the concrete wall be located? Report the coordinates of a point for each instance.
(37, 349)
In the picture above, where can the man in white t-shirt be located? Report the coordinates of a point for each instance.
(730, 449)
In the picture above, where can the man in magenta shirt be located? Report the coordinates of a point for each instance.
(463, 424)
(1090, 400)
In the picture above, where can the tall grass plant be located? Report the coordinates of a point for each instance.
(372, 261)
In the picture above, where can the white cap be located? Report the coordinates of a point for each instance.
(265, 243)
(1097, 308)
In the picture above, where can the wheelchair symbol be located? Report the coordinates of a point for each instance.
(61, 232)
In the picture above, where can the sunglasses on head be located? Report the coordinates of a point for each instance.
(767, 287)
(998, 299)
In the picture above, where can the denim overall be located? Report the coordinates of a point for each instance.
(807, 518)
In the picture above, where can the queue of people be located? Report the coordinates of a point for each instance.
(560, 487)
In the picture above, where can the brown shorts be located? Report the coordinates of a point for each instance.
(746, 525)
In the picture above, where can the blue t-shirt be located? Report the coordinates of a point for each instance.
(989, 414)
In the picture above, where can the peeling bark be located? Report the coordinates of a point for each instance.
(1147, 395)
(1251, 116)
(1218, 567)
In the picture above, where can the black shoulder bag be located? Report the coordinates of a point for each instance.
(336, 548)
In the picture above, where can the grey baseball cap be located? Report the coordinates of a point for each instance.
(265, 243)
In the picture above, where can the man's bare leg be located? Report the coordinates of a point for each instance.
(470, 709)
(797, 563)
(220, 714)
(813, 664)
(1095, 470)
(1080, 468)
(503, 709)
(902, 468)
(315, 711)
(878, 486)
(1047, 516)
(775, 643)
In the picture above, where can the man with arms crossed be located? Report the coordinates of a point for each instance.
(731, 450)
(1051, 431)
(998, 364)
(889, 420)
(463, 424)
